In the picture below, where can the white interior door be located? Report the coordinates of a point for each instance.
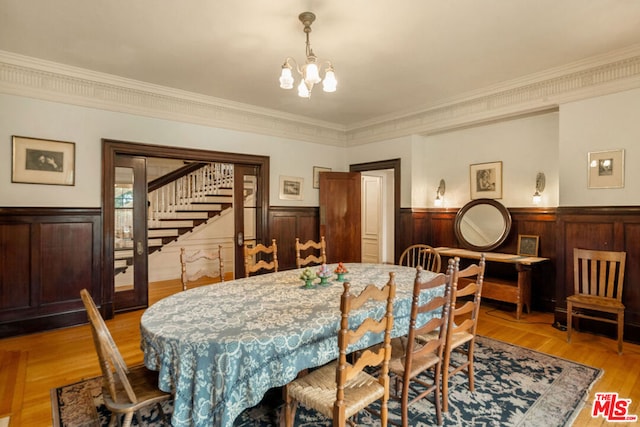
(372, 214)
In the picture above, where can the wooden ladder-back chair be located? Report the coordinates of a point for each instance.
(410, 358)
(466, 290)
(421, 255)
(340, 389)
(320, 257)
(598, 278)
(253, 261)
(193, 257)
(125, 390)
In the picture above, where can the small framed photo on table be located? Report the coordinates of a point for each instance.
(43, 161)
(528, 245)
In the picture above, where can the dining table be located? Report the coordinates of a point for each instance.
(219, 348)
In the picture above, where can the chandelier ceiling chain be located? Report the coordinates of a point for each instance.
(309, 72)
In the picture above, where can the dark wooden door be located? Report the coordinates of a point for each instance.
(248, 211)
(340, 215)
(130, 233)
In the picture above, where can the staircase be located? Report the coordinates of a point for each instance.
(181, 201)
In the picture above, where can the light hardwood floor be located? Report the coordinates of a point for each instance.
(66, 356)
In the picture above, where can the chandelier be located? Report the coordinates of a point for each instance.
(309, 71)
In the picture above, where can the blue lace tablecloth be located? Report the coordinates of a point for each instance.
(221, 347)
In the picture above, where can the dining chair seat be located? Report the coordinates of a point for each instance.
(358, 390)
(420, 363)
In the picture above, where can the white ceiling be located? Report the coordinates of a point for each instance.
(390, 57)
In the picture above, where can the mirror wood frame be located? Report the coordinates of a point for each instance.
(506, 216)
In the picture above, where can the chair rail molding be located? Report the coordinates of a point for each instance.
(596, 76)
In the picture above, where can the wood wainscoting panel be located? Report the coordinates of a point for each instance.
(65, 260)
(287, 223)
(614, 228)
(53, 253)
(15, 292)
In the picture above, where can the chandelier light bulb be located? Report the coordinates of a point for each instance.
(286, 79)
(329, 83)
(303, 91)
(311, 74)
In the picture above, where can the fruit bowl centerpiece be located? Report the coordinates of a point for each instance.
(324, 273)
(308, 275)
(340, 271)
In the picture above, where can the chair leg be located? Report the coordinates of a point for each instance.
(445, 382)
(114, 420)
(128, 418)
(569, 320)
(470, 368)
(289, 409)
(620, 331)
(436, 392)
(404, 402)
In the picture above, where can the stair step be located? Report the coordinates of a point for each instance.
(123, 254)
(158, 232)
(200, 207)
(184, 214)
(120, 263)
(154, 242)
(211, 198)
(171, 223)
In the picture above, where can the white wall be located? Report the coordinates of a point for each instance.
(86, 127)
(386, 150)
(525, 146)
(599, 124)
(555, 143)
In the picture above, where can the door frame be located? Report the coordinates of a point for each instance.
(380, 165)
(110, 148)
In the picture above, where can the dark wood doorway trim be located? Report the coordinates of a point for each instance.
(382, 165)
(112, 147)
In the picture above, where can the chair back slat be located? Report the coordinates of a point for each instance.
(599, 273)
(200, 255)
(257, 252)
(421, 255)
(319, 257)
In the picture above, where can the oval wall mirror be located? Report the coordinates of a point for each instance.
(482, 224)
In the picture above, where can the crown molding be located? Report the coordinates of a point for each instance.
(605, 74)
(25, 76)
(36, 78)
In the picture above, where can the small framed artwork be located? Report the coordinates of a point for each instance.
(486, 180)
(316, 175)
(528, 245)
(43, 161)
(606, 169)
(291, 187)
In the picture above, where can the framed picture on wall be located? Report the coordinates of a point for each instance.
(291, 187)
(485, 180)
(528, 245)
(43, 161)
(316, 175)
(606, 169)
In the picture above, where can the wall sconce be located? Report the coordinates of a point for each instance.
(440, 194)
(540, 183)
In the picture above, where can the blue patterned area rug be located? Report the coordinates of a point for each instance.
(515, 386)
